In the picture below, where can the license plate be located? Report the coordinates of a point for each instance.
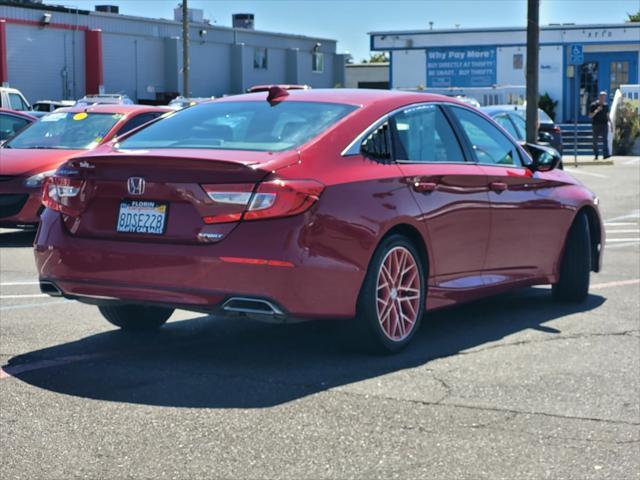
(142, 216)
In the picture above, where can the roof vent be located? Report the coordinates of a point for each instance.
(108, 8)
(243, 20)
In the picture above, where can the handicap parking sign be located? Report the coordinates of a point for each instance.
(576, 55)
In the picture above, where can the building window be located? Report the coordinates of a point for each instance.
(619, 76)
(317, 62)
(518, 61)
(260, 58)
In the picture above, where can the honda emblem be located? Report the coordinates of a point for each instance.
(135, 185)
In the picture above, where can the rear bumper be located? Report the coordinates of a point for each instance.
(304, 283)
(19, 205)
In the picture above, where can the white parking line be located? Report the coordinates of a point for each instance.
(33, 305)
(632, 161)
(33, 295)
(635, 230)
(622, 245)
(588, 174)
(634, 214)
(617, 283)
(613, 240)
(13, 284)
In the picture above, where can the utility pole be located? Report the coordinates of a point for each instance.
(533, 41)
(185, 49)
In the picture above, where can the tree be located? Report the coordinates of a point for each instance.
(548, 104)
(634, 17)
(380, 57)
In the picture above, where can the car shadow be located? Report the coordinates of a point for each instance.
(233, 363)
(17, 238)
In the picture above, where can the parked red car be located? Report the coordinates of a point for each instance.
(315, 204)
(12, 121)
(32, 155)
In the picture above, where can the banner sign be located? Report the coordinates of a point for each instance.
(461, 67)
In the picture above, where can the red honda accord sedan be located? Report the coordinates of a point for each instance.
(34, 153)
(308, 204)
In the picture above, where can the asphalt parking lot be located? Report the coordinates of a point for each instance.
(515, 386)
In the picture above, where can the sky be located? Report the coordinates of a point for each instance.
(348, 21)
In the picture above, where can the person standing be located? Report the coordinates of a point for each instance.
(599, 113)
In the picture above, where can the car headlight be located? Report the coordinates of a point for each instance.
(36, 180)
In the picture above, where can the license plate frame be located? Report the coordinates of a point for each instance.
(144, 207)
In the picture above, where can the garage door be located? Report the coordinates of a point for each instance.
(41, 64)
(133, 65)
(119, 64)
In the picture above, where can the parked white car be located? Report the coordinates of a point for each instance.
(51, 105)
(105, 99)
(12, 99)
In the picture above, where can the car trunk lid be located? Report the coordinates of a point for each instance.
(166, 188)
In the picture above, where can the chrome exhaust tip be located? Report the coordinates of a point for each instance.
(50, 288)
(251, 306)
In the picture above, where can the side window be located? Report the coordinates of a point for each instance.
(520, 124)
(138, 120)
(17, 103)
(377, 145)
(10, 124)
(504, 122)
(489, 144)
(423, 134)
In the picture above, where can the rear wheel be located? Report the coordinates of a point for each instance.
(391, 302)
(575, 267)
(136, 317)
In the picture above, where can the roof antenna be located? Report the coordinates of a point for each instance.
(276, 94)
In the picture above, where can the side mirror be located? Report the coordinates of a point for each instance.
(545, 137)
(543, 159)
(377, 145)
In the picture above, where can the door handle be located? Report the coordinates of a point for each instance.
(497, 187)
(424, 187)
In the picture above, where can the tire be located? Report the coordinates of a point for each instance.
(575, 267)
(378, 327)
(136, 317)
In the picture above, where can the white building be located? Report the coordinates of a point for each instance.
(367, 75)
(54, 52)
(490, 64)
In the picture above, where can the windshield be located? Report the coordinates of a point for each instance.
(72, 131)
(256, 126)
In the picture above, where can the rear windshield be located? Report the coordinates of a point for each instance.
(73, 131)
(255, 126)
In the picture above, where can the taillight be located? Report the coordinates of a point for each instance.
(231, 201)
(278, 198)
(58, 194)
(283, 198)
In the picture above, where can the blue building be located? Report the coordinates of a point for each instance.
(490, 64)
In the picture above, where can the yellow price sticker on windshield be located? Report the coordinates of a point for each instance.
(80, 116)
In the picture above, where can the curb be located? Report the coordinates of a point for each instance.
(569, 162)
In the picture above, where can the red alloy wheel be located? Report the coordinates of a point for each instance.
(398, 291)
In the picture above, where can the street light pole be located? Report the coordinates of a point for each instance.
(533, 41)
(185, 49)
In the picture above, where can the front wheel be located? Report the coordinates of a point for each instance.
(136, 317)
(391, 302)
(575, 266)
